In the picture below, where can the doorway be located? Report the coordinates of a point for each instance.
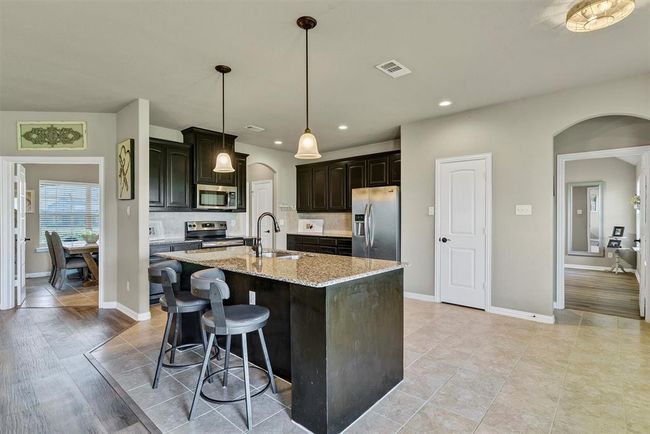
(602, 231)
(62, 195)
(261, 186)
(463, 213)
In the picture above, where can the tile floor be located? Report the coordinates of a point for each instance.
(39, 293)
(465, 371)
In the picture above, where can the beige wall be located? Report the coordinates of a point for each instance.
(619, 185)
(519, 135)
(372, 148)
(133, 215)
(39, 262)
(101, 143)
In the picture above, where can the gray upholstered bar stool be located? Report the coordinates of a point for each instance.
(238, 319)
(175, 303)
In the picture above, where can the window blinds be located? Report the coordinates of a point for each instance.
(69, 208)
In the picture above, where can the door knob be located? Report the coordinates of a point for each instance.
(444, 239)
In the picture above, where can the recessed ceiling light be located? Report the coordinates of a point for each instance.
(277, 142)
(343, 127)
(444, 103)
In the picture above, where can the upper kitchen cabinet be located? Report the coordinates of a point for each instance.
(337, 196)
(377, 174)
(240, 170)
(327, 186)
(303, 188)
(156, 174)
(395, 169)
(207, 144)
(170, 182)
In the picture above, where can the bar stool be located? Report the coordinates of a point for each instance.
(175, 303)
(226, 321)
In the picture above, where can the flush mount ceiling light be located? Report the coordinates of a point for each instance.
(223, 163)
(590, 15)
(343, 127)
(444, 103)
(307, 145)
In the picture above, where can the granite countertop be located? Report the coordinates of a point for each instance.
(342, 234)
(311, 269)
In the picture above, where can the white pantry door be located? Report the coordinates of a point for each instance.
(461, 237)
(262, 201)
(20, 232)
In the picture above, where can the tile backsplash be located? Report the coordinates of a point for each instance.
(340, 221)
(174, 222)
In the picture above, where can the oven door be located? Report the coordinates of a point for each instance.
(215, 197)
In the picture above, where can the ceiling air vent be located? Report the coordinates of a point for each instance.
(254, 128)
(393, 68)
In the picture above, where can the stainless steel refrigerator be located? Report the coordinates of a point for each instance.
(376, 222)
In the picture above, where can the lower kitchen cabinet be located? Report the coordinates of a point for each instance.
(320, 244)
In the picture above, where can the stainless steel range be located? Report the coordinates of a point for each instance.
(211, 234)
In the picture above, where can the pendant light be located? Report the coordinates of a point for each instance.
(590, 15)
(223, 163)
(307, 145)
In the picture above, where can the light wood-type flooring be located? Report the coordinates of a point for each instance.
(602, 292)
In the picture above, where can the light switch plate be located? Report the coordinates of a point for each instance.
(431, 210)
(251, 297)
(523, 209)
(579, 211)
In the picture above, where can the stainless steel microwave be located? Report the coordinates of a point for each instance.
(216, 197)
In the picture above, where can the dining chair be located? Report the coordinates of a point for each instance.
(50, 249)
(63, 263)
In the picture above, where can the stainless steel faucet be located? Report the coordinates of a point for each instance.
(257, 242)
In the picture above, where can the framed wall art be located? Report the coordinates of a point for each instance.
(125, 170)
(51, 136)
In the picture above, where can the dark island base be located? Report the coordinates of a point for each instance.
(341, 346)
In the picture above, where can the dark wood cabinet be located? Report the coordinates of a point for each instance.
(207, 144)
(156, 175)
(395, 169)
(303, 188)
(356, 178)
(240, 173)
(178, 182)
(319, 188)
(337, 193)
(377, 174)
(170, 182)
(327, 186)
(320, 244)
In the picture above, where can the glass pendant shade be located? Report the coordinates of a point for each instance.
(590, 15)
(307, 146)
(224, 164)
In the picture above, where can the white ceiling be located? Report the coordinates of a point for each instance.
(98, 55)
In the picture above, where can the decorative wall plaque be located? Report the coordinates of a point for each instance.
(51, 136)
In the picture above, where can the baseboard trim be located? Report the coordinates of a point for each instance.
(109, 305)
(421, 297)
(37, 274)
(594, 267)
(133, 314)
(638, 277)
(546, 319)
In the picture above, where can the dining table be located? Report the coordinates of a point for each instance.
(86, 251)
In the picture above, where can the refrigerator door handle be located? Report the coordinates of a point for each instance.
(371, 219)
(366, 222)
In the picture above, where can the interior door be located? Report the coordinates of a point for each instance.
(261, 202)
(462, 232)
(20, 232)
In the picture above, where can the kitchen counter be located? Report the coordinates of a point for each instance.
(335, 331)
(167, 241)
(342, 234)
(311, 269)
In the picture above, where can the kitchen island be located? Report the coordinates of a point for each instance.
(335, 331)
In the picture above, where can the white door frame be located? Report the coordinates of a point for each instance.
(488, 224)
(7, 294)
(560, 206)
(254, 219)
